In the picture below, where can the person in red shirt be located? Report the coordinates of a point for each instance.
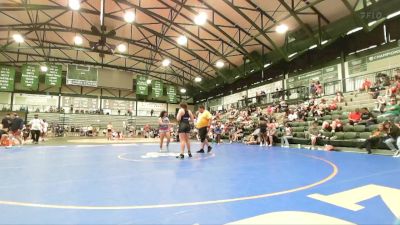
(355, 117)
(365, 86)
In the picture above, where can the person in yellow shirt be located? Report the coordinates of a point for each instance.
(203, 124)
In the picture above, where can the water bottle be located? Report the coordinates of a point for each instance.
(299, 146)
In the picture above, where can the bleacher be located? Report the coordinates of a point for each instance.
(352, 136)
(98, 121)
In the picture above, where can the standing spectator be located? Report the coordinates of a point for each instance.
(36, 128)
(272, 126)
(109, 131)
(6, 122)
(318, 88)
(288, 133)
(312, 89)
(151, 112)
(314, 134)
(366, 85)
(16, 127)
(45, 128)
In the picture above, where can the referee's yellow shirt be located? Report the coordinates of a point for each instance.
(204, 119)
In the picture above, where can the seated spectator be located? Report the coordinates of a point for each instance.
(253, 139)
(292, 116)
(288, 133)
(283, 106)
(339, 96)
(375, 137)
(337, 125)
(6, 140)
(366, 85)
(393, 132)
(333, 106)
(367, 118)
(384, 78)
(393, 89)
(392, 110)
(355, 117)
(314, 133)
(326, 126)
(238, 134)
(380, 104)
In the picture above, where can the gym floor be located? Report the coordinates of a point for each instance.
(236, 184)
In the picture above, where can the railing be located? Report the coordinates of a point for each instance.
(292, 95)
(354, 83)
(331, 87)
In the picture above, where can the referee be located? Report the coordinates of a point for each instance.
(203, 124)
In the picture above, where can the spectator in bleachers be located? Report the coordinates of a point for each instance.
(218, 132)
(393, 132)
(367, 118)
(109, 131)
(253, 139)
(333, 106)
(380, 103)
(318, 88)
(313, 89)
(338, 96)
(366, 85)
(337, 125)
(272, 130)
(392, 110)
(288, 133)
(374, 139)
(355, 117)
(292, 116)
(238, 134)
(314, 133)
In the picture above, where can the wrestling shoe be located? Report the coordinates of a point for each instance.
(180, 156)
(209, 149)
(200, 151)
(190, 154)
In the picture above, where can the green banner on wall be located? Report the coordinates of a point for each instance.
(7, 77)
(141, 85)
(157, 88)
(30, 77)
(171, 94)
(53, 75)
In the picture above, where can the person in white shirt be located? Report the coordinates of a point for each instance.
(36, 128)
(45, 127)
(292, 116)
